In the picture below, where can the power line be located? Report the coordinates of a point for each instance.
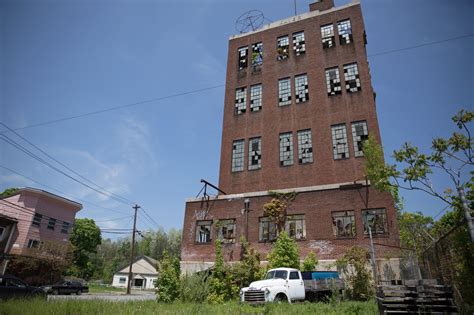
(118, 107)
(63, 165)
(115, 219)
(34, 156)
(61, 192)
(420, 45)
(149, 217)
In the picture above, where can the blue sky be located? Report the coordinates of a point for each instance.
(63, 58)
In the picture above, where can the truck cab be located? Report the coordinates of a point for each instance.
(279, 285)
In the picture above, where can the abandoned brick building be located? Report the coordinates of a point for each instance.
(298, 105)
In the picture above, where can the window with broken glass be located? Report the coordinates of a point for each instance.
(257, 56)
(359, 135)
(203, 231)
(376, 219)
(301, 88)
(242, 54)
(267, 230)
(343, 224)
(295, 226)
(240, 100)
(283, 48)
(299, 44)
(286, 149)
(327, 36)
(345, 32)
(226, 231)
(339, 142)
(351, 76)
(284, 92)
(333, 81)
(238, 155)
(305, 147)
(256, 98)
(255, 153)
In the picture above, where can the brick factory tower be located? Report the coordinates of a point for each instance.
(298, 105)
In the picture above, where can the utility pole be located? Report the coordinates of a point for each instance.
(130, 274)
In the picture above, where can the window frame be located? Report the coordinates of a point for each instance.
(345, 37)
(256, 94)
(240, 102)
(37, 219)
(300, 47)
(258, 152)
(283, 54)
(333, 85)
(269, 223)
(288, 91)
(197, 237)
(65, 227)
(242, 60)
(33, 243)
(337, 142)
(219, 230)
(296, 218)
(301, 88)
(257, 48)
(325, 38)
(51, 224)
(290, 151)
(375, 232)
(238, 156)
(300, 149)
(358, 140)
(353, 228)
(352, 80)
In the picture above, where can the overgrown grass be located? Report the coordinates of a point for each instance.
(94, 288)
(151, 307)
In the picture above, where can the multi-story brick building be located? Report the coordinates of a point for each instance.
(298, 105)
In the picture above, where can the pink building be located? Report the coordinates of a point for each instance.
(30, 217)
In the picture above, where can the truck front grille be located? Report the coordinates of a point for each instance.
(254, 296)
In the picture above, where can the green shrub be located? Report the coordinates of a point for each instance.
(194, 288)
(284, 253)
(310, 262)
(354, 266)
(168, 283)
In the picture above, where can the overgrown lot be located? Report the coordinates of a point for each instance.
(151, 307)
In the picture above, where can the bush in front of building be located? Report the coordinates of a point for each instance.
(310, 262)
(284, 253)
(168, 281)
(359, 279)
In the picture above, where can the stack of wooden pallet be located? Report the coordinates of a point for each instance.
(415, 297)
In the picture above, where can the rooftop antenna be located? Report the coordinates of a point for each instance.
(249, 21)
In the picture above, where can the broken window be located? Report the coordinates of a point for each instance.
(267, 230)
(305, 147)
(284, 92)
(257, 56)
(255, 98)
(240, 100)
(301, 88)
(339, 142)
(343, 224)
(295, 226)
(345, 32)
(51, 223)
(359, 135)
(376, 219)
(351, 76)
(65, 227)
(286, 149)
(298, 43)
(203, 231)
(255, 153)
(327, 36)
(37, 219)
(238, 155)
(242, 52)
(333, 81)
(283, 48)
(226, 231)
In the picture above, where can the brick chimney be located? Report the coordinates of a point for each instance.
(321, 5)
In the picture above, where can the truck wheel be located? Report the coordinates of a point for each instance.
(79, 292)
(281, 298)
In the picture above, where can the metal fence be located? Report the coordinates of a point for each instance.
(451, 260)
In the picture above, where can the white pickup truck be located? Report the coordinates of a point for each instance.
(288, 285)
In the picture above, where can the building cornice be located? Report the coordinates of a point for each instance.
(295, 18)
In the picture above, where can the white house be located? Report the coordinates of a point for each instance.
(144, 274)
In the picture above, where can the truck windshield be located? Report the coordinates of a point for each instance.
(276, 274)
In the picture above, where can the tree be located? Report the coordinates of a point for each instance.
(284, 253)
(354, 266)
(277, 207)
(9, 192)
(310, 262)
(85, 238)
(248, 269)
(415, 231)
(222, 285)
(168, 282)
(451, 157)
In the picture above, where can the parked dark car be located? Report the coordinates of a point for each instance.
(66, 287)
(12, 287)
